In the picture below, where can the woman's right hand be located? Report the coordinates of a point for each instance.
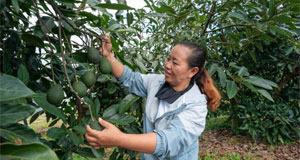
(105, 46)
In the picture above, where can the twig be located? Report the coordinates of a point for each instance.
(212, 12)
(66, 72)
(286, 79)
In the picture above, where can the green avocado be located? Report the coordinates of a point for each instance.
(95, 125)
(105, 66)
(93, 55)
(89, 78)
(80, 88)
(55, 94)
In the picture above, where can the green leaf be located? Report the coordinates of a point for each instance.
(231, 89)
(265, 94)
(140, 65)
(282, 31)
(98, 153)
(284, 19)
(127, 102)
(272, 8)
(32, 40)
(15, 4)
(31, 151)
(23, 74)
(112, 88)
(41, 100)
(130, 18)
(19, 133)
(260, 82)
(110, 111)
(75, 138)
(239, 16)
(222, 76)
(80, 57)
(243, 71)
(90, 16)
(12, 88)
(67, 26)
(115, 6)
(12, 113)
(167, 9)
(253, 56)
(250, 86)
(121, 119)
(81, 130)
(56, 133)
(103, 78)
(212, 69)
(47, 24)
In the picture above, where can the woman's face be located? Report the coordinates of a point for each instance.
(177, 71)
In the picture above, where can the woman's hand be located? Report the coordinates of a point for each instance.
(109, 137)
(105, 46)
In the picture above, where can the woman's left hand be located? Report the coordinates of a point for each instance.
(108, 137)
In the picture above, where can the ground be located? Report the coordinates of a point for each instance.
(224, 143)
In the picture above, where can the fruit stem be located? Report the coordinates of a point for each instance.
(92, 117)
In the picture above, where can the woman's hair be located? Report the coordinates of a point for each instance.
(202, 78)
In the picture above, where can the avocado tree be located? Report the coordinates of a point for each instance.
(50, 60)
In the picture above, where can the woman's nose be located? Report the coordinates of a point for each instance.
(167, 65)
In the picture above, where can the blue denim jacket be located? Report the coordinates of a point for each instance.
(178, 129)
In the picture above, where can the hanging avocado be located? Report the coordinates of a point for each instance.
(55, 94)
(95, 125)
(89, 78)
(105, 66)
(80, 88)
(93, 55)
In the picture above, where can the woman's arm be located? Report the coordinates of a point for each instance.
(105, 50)
(111, 136)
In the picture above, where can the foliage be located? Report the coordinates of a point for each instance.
(275, 123)
(253, 56)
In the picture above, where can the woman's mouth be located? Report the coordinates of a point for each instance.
(167, 73)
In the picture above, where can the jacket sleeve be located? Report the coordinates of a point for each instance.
(182, 132)
(133, 82)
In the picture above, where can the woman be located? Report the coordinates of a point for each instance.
(175, 110)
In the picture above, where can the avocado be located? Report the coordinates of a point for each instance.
(80, 88)
(105, 66)
(95, 125)
(89, 78)
(93, 55)
(55, 94)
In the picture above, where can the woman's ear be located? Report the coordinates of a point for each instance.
(193, 71)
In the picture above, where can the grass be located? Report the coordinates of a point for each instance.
(215, 123)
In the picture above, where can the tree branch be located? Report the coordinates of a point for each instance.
(234, 25)
(65, 69)
(290, 76)
(62, 16)
(45, 35)
(212, 12)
